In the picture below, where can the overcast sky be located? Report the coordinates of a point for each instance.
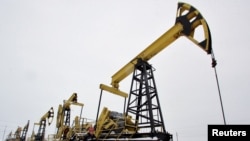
(50, 49)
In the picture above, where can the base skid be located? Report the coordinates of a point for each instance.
(138, 137)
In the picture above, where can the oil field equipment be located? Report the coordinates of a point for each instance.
(142, 117)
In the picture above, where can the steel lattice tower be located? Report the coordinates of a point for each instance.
(143, 102)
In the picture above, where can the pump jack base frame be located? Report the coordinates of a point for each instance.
(138, 136)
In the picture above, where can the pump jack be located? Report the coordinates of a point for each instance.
(63, 117)
(20, 133)
(143, 103)
(39, 136)
(24, 132)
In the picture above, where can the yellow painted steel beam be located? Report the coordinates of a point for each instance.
(187, 20)
(167, 38)
(113, 90)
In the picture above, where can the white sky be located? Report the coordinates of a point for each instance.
(50, 49)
